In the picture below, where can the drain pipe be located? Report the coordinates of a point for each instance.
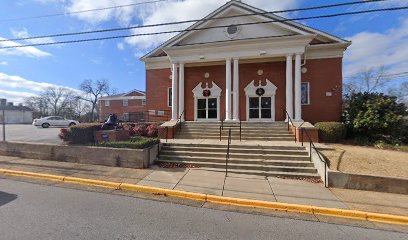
(305, 56)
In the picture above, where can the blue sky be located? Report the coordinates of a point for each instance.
(378, 39)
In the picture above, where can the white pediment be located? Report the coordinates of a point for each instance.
(215, 90)
(218, 30)
(270, 88)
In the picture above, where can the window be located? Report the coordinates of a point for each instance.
(125, 102)
(107, 103)
(169, 97)
(305, 96)
(143, 102)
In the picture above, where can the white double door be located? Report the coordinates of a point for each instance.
(207, 109)
(261, 108)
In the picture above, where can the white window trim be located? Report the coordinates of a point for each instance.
(125, 101)
(107, 103)
(308, 95)
(169, 102)
(143, 102)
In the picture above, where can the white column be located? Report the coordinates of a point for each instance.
(289, 87)
(236, 90)
(174, 92)
(298, 91)
(181, 90)
(228, 90)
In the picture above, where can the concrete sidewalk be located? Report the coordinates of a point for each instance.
(216, 183)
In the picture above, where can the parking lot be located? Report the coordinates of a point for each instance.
(29, 133)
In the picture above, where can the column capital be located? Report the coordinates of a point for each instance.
(299, 54)
(228, 59)
(289, 55)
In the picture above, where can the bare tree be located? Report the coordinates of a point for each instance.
(401, 92)
(368, 80)
(94, 90)
(38, 104)
(58, 99)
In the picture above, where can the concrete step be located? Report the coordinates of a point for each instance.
(237, 153)
(178, 155)
(273, 161)
(266, 174)
(246, 166)
(234, 146)
(237, 138)
(234, 149)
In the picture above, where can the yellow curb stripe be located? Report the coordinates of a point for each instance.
(92, 182)
(33, 175)
(334, 212)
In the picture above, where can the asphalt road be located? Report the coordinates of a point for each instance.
(29, 133)
(33, 211)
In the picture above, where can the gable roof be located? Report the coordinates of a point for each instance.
(322, 37)
(131, 94)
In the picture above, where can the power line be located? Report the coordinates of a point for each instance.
(205, 28)
(390, 75)
(189, 21)
(83, 11)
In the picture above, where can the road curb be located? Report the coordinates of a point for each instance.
(333, 212)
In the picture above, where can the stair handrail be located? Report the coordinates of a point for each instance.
(228, 152)
(290, 122)
(322, 159)
(179, 120)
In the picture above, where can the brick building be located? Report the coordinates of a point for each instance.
(255, 67)
(123, 105)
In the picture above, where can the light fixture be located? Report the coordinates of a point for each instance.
(202, 57)
(262, 53)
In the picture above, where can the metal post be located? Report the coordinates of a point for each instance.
(220, 132)
(302, 136)
(4, 124)
(310, 149)
(167, 133)
(240, 130)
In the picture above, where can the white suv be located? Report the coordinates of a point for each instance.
(54, 121)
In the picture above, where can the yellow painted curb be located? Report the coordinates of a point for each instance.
(334, 212)
(32, 174)
(92, 182)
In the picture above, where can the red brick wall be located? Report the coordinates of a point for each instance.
(323, 74)
(157, 84)
(116, 107)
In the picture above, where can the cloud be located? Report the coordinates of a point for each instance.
(17, 82)
(161, 12)
(121, 46)
(4, 63)
(374, 49)
(32, 52)
(15, 97)
(23, 33)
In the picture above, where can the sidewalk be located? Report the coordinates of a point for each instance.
(234, 185)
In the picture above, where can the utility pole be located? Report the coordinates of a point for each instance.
(3, 104)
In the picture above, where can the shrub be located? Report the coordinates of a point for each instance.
(331, 131)
(83, 133)
(133, 143)
(375, 115)
(152, 131)
(140, 130)
(64, 134)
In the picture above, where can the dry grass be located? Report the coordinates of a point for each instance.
(367, 160)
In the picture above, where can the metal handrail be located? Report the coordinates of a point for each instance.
(228, 152)
(311, 145)
(240, 129)
(290, 121)
(177, 122)
(179, 119)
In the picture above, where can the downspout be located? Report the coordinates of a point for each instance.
(305, 56)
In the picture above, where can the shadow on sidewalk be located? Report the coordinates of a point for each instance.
(6, 198)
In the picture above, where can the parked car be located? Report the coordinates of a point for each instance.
(54, 121)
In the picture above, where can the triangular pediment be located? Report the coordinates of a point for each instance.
(247, 27)
(255, 24)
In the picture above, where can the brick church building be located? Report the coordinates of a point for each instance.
(253, 67)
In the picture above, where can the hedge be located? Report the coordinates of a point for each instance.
(82, 133)
(133, 143)
(331, 131)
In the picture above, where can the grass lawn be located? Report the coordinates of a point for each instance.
(367, 160)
